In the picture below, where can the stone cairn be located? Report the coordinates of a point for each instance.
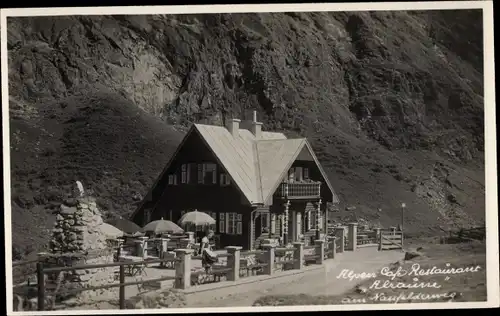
(77, 239)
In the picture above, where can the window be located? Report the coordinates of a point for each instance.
(234, 225)
(172, 179)
(222, 223)
(191, 173)
(311, 220)
(184, 174)
(224, 179)
(207, 173)
(306, 173)
(298, 173)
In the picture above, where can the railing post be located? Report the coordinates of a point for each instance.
(320, 250)
(122, 287)
(163, 249)
(269, 258)
(183, 268)
(190, 236)
(340, 233)
(298, 255)
(41, 285)
(332, 247)
(233, 261)
(352, 236)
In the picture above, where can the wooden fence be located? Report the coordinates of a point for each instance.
(42, 293)
(390, 240)
(367, 239)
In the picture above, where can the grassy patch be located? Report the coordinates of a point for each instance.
(464, 287)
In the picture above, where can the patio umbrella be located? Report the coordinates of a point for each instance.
(110, 231)
(125, 225)
(162, 226)
(197, 218)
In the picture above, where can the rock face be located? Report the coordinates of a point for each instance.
(391, 102)
(77, 239)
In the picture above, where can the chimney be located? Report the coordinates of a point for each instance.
(233, 126)
(256, 126)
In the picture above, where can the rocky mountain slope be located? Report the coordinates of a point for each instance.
(391, 101)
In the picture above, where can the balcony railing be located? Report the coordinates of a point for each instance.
(299, 190)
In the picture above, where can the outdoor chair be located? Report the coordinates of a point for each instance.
(170, 260)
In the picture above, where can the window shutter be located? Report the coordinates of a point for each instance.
(175, 179)
(291, 174)
(222, 223)
(221, 182)
(228, 229)
(309, 220)
(188, 173)
(239, 230)
(306, 173)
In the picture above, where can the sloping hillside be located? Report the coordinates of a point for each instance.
(391, 101)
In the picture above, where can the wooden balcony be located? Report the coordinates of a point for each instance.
(299, 190)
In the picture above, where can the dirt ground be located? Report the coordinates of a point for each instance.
(459, 287)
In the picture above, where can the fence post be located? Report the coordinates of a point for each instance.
(340, 233)
(402, 238)
(40, 275)
(122, 287)
(352, 236)
(269, 258)
(332, 247)
(183, 268)
(298, 255)
(233, 261)
(380, 237)
(320, 250)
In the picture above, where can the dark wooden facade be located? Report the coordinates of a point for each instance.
(170, 201)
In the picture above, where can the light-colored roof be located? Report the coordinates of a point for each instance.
(274, 156)
(238, 156)
(255, 166)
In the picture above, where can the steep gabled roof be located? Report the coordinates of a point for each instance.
(255, 166)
